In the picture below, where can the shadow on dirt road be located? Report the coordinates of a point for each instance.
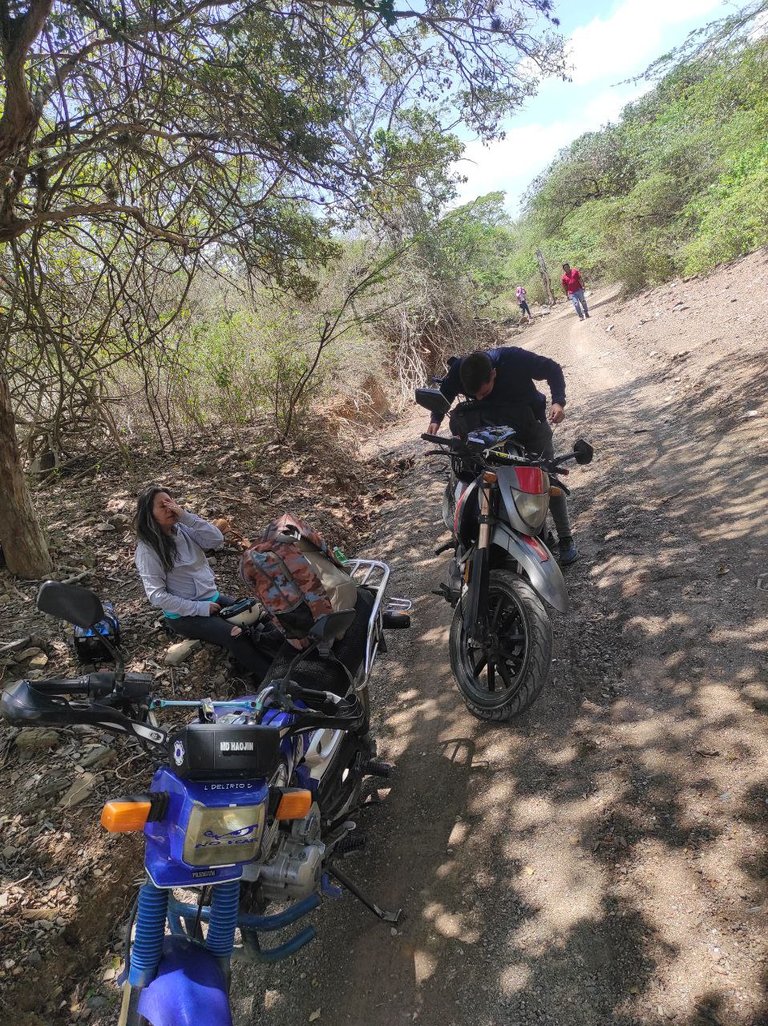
(601, 860)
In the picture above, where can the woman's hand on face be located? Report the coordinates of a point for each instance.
(175, 508)
(166, 511)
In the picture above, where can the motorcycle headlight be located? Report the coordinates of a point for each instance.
(222, 836)
(533, 509)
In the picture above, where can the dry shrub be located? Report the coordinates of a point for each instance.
(367, 406)
(419, 342)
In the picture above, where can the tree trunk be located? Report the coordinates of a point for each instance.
(546, 280)
(24, 545)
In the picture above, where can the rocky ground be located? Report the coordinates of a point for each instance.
(602, 859)
(65, 886)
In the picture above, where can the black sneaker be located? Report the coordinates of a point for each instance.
(568, 551)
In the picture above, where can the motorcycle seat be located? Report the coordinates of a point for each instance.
(325, 674)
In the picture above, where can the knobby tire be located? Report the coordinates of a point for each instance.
(502, 696)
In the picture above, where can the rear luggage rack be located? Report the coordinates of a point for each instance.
(374, 575)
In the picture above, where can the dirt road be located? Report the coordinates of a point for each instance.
(601, 860)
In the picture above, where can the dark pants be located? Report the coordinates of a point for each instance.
(253, 655)
(540, 443)
(524, 307)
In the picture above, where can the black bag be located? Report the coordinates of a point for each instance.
(475, 414)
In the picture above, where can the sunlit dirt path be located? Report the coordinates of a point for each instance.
(600, 860)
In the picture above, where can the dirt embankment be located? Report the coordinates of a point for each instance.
(601, 860)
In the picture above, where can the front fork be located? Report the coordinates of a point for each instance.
(478, 567)
(151, 916)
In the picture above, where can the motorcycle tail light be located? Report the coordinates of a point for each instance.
(532, 496)
(224, 835)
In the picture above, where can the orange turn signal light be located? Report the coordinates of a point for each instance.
(489, 477)
(555, 492)
(295, 803)
(123, 817)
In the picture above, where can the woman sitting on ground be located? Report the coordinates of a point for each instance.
(178, 578)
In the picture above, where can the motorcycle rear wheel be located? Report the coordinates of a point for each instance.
(501, 680)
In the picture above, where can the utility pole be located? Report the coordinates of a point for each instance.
(546, 280)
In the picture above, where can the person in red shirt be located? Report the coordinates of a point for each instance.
(574, 289)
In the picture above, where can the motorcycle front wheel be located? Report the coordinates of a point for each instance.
(501, 678)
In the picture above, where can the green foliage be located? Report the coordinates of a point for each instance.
(470, 248)
(677, 186)
(733, 214)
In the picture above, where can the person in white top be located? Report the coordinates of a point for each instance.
(522, 302)
(178, 579)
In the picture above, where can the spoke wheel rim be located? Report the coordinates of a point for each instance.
(498, 670)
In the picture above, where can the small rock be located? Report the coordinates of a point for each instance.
(314, 1016)
(39, 661)
(34, 957)
(53, 786)
(182, 650)
(45, 916)
(28, 653)
(100, 756)
(35, 739)
(79, 791)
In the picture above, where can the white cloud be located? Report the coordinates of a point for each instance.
(630, 38)
(510, 164)
(604, 51)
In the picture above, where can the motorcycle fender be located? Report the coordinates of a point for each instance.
(189, 989)
(538, 562)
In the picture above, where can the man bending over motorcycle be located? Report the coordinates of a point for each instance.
(502, 381)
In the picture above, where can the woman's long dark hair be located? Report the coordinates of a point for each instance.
(148, 530)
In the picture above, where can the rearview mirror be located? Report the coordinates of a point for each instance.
(68, 602)
(432, 399)
(584, 451)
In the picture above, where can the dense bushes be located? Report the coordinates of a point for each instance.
(678, 185)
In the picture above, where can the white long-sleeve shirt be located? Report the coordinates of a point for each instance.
(187, 589)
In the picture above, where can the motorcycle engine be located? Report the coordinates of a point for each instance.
(295, 865)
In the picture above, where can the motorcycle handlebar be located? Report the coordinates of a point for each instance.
(89, 684)
(488, 455)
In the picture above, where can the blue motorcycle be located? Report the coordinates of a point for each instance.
(250, 803)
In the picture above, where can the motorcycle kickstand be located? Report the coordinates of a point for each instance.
(380, 913)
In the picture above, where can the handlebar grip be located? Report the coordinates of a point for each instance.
(92, 685)
(437, 439)
(64, 685)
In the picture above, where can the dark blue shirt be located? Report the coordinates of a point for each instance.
(516, 370)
